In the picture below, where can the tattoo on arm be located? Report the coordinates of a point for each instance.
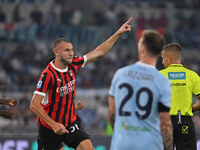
(167, 134)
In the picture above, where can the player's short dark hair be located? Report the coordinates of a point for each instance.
(58, 41)
(173, 47)
(153, 40)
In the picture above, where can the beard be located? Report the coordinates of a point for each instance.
(64, 61)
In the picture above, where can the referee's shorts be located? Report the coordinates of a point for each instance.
(184, 133)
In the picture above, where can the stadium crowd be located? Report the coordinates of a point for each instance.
(25, 46)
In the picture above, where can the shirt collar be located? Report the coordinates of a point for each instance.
(176, 65)
(58, 69)
(144, 64)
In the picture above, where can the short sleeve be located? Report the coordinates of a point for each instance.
(196, 87)
(113, 85)
(165, 92)
(43, 84)
(79, 62)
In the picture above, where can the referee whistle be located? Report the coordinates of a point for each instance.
(179, 117)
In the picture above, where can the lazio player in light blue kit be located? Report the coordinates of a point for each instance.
(139, 101)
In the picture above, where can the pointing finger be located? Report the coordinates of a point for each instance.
(129, 20)
(66, 131)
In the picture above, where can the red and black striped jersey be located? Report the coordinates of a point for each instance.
(58, 88)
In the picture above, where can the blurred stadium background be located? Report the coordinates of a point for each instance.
(28, 28)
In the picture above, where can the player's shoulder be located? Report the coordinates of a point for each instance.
(118, 74)
(162, 71)
(162, 76)
(47, 70)
(77, 58)
(123, 69)
(162, 82)
(190, 71)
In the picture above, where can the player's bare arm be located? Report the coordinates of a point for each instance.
(10, 102)
(166, 130)
(111, 115)
(196, 106)
(35, 106)
(104, 48)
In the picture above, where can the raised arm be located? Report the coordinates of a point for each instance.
(196, 106)
(35, 106)
(111, 115)
(166, 130)
(104, 48)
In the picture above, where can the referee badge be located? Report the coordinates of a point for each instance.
(185, 130)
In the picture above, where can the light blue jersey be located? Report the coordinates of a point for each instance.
(138, 89)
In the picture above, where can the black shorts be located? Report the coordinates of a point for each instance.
(48, 140)
(184, 134)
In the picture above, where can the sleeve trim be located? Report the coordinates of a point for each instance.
(111, 96)
(39, 93)
(85, 60)
(198, 95)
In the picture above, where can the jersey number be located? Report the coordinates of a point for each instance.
(145, 108)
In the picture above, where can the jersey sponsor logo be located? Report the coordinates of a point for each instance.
(179, 84)
(39, 84)
(134, 128)
(176, 75)
(64, 90)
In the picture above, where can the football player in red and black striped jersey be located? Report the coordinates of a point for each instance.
(53, 99)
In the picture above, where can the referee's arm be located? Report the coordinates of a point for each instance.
(196, 106)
